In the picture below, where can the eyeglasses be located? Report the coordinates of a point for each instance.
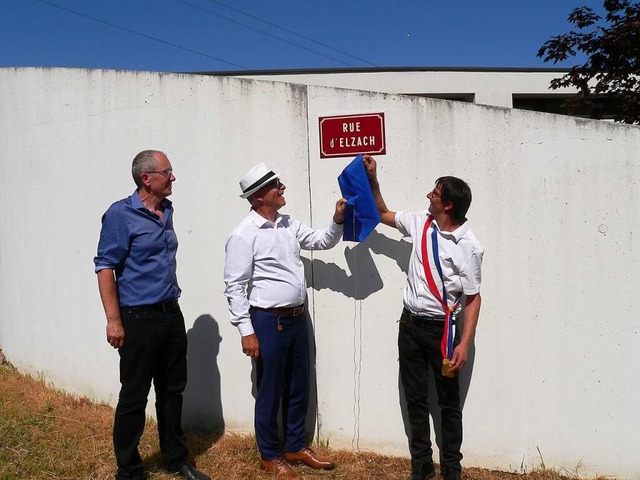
(165, 173)
(274, 184)
(433, 193)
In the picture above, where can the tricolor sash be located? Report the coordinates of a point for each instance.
(430, 258)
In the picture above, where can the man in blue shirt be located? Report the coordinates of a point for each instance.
(136, 268)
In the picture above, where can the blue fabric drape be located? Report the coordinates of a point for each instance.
(361, 214)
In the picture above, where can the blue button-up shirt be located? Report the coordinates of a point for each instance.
(141, 248)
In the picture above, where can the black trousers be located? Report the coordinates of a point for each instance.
(419, 351)
(155, 349)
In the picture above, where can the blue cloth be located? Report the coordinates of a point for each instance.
(141, 249)
(361, 214)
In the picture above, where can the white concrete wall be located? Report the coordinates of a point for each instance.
(554, 365)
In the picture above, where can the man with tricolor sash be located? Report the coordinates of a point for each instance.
(444, 274)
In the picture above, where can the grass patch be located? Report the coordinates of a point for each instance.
(47, 434)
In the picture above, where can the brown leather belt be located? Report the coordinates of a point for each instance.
(287, 311)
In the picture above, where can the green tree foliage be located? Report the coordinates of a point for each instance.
(610, 75)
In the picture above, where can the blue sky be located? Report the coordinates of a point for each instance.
(244, 34)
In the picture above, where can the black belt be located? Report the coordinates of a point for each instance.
(407, 316)
(288, 311)
(166, 306)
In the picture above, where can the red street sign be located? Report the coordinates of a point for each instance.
(346, 135)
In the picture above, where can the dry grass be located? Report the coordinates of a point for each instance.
(45, 434)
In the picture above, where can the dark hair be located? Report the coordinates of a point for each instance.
(457, 192)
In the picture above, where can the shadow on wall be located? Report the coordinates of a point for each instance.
(364, 278)
(202, 407)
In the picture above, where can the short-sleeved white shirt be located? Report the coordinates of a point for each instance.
(460, 254)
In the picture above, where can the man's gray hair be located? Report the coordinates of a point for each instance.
(144, 162)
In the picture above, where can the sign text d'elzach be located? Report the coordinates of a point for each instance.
(346, 135)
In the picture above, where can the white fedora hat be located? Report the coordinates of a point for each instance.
(255, 179)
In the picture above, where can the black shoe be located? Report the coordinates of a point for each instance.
(422, 471)
(451, 474)
(190, 472)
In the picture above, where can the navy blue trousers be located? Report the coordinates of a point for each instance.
(155, 349)
(282, 376)
(419, 352)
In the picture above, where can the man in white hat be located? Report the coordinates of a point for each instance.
(266, 290)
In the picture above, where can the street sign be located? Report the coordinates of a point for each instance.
(346, 135)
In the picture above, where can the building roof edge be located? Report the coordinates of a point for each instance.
(306, 71)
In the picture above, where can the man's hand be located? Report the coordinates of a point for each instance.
(338, 216)
(115, 333)
(250, 346)
(371, 166)
(471, 313)
(459, 358)
(387, 216)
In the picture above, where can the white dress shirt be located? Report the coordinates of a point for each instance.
(263, 267)
(460, 254)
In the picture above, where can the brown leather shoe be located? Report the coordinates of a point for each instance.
(310, 459)
(280, 468)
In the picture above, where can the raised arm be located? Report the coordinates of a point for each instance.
(313, 239)
(386, 216)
